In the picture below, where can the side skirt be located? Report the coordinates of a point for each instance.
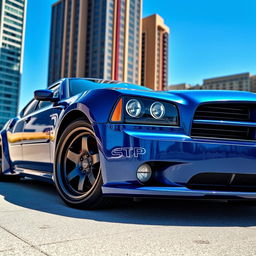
(35, 174)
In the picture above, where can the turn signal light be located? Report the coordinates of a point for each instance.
(117, 114)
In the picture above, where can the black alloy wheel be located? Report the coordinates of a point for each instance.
(8, 178)
(77, 171)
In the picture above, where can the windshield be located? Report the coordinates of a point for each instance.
(80, 85)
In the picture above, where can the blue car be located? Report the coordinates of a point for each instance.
(97, 139)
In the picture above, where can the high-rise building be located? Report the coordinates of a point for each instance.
(95, 38)
(57, 24)
(12, 31)
(154, 55)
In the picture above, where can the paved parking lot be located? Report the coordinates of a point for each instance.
(34, 221)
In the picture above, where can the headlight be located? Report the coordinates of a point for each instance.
(157, 110)
(139, 110)
(133, 108)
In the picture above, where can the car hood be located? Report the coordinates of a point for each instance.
(215, 95)
(195, 96)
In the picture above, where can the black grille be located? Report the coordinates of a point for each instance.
(223, 181)
(225, 113)
(222, 131)
(229, 112)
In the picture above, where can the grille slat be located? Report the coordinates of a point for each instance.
(237, 112)
(219, 111)
(227, 118)
(228, 108)
(224, 112)
(203, 130)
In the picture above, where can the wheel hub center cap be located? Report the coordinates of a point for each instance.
(85, 164)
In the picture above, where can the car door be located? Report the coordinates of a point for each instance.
(37, 136)
(15, 132)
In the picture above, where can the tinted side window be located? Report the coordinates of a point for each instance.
(30, 108)
(43, 104)
(56, 92)
(80, 85)
(77, 86)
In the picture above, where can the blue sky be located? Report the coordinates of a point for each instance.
(208, 38)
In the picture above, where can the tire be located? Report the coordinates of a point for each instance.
(77, 175)
(7, 178)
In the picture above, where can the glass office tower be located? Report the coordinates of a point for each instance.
(12, 27)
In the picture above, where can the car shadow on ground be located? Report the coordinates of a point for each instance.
(43, 197)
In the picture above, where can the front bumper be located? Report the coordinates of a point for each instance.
(172, 192)
(175, 157)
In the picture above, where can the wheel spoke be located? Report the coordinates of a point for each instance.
(74, 173)
(81, 162)
(95, 158)
(81, 183)
(85, 144)
(91, 178)
(74, 157)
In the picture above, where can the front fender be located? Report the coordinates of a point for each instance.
(97, 105)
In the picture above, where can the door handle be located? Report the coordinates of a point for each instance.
(28, 119)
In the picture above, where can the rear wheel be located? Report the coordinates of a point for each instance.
(78, 172)
(6, 177)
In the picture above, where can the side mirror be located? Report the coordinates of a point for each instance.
(44, 95)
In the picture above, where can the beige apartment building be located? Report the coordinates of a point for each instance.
(154, 53)
(182, 86)
(239, 82)
(253, 83)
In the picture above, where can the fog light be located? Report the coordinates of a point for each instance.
(144, 173)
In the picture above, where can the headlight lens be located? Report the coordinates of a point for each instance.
(146, 111)
(157, 110)
(133, 108)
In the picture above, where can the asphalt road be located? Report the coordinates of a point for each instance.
(34, 221)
